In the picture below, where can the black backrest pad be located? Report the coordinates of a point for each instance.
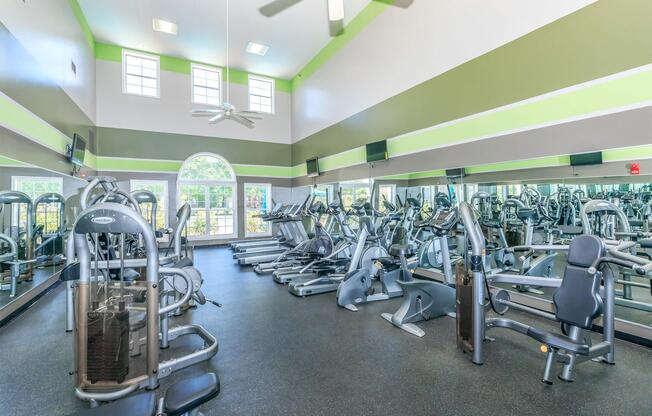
(577, 301)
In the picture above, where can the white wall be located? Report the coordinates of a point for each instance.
(402, 48)
(50, 32)
(171, 112)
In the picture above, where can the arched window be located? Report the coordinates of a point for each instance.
(207, 182)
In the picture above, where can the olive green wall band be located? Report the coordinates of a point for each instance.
(114, 164)
(34, 89)
(108, 52)
(629, 89)
(603, 38)
(169, 146)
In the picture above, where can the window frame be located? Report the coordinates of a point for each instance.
(245, 209)
(392, 186)
(166, 196)
(233, 182)
(141, 55)
(192, 83)
(16, 179)
(273, 92)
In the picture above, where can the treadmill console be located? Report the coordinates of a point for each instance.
(445, 220)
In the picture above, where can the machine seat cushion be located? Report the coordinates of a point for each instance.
(397, 250)
(645, 242)
(577, 300)
(558, 341)
(142, 404)
(636, 223)
(189, 394)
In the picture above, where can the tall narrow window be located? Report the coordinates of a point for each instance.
(261, 94)
(160, 190)
(140, 74)
(207, 182)
(206, 85)
(257, 200)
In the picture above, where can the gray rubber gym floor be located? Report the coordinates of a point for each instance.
(282, 355)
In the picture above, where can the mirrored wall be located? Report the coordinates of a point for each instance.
(37, 207)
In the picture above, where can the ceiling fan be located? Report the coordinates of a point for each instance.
(335, 11)
(226, 110)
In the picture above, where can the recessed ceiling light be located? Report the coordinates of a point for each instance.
(164, 26)
(257, 48)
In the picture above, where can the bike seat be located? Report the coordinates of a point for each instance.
(191, 393)
(398, 250)
(558, 341)
(143, 404)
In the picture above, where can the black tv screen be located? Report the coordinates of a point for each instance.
(78, 150)
(377, 151)
(312, 166)
(455, 173)
(594, 158)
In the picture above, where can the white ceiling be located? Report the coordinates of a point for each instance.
(294, 36)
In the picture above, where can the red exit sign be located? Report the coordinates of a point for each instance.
(634, 169)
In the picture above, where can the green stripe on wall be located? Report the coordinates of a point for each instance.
(83, 23)
(629, 91)
(542, 162)
(626, 90)
(18, 119)
(355, 26)
(113, 53)
(603, 38)
(7, 162)
(628, 153)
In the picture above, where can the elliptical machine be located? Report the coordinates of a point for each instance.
(358, 285)
(425, 299)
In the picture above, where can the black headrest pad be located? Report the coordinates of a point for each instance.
(584, 250)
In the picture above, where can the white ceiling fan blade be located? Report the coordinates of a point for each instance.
(276, 6)
(249, 112)
(216, 119)
(206, 112)
(242, 120)
(335, 10)
(249, 116)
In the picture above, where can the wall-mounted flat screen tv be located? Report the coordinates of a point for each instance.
(455, 173)
(77, 150)
(376, 151)
(582, 159)
(312, 166)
